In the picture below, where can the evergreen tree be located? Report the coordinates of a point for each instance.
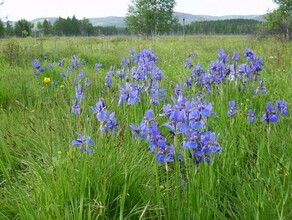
(2, 29)
(47, 27)
(9, 30)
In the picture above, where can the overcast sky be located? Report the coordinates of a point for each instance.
(30, 9)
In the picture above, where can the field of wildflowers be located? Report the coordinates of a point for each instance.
(125, 128)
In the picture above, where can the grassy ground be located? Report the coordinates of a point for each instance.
(42, 176)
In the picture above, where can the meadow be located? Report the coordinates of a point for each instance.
(129, 128)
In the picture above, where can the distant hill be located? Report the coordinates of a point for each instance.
(189, 18)
(119, 21)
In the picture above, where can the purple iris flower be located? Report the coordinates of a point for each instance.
(129, 94)
(197, 71)
(81, 141)
(165, 154)
(142, 129)
(79, 92)
(191, 141)
(236, 56)
(251, 115)
(63, 75)
(282, 107)
(36, 64)
(270, 114)
(261, 87)
(258, 64)
(134, 96)
(188, 63)
(178, 90)
(155, 97)
(41, 69)
(61, 63)
(232, 108)
(249, 55)
(157, 74)
(87, 82)
(75, 107)
(195, 121)
(74, 61)
(209, 143)
(97, 67)
(188, 83)
(99, 106)
(222, 56)
(108, 79)
(121, 73)
(107, 120)
(80, 75)
(126, 62)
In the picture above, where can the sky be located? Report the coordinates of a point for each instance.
(15, 10)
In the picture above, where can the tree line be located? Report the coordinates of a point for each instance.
(230, 26)
(61, 27)
(75, 27)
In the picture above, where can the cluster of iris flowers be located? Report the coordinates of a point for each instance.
(186, 118)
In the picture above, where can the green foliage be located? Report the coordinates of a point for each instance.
(150, 17)
(9, 30)
(279, 21)
(2, 29)
(12, 51)
(232, 26)
(23, 28)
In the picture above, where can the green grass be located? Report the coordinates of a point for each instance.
(43, 177)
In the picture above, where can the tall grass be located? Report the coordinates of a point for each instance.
(42, 176)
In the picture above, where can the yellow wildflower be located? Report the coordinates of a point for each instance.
(47, 80)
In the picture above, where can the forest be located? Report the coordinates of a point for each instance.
(74, 27)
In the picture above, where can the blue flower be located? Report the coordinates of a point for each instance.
(165, 154)
(251, 115)
(232, 108)
(129, 94)
(74, 61)
(142, 129)
(75, 107)
(107, 120)
(79, 92)
(236, 56)
(188, 63)
(261, 87)
(222, 56)
(63, 75)
(81, 141)
(282, 107)
(61, 63)
(99, 107)
(157, 74)
(97, 67)
(126, 62)
(270, 114)
(249, 55)
(188, 83)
